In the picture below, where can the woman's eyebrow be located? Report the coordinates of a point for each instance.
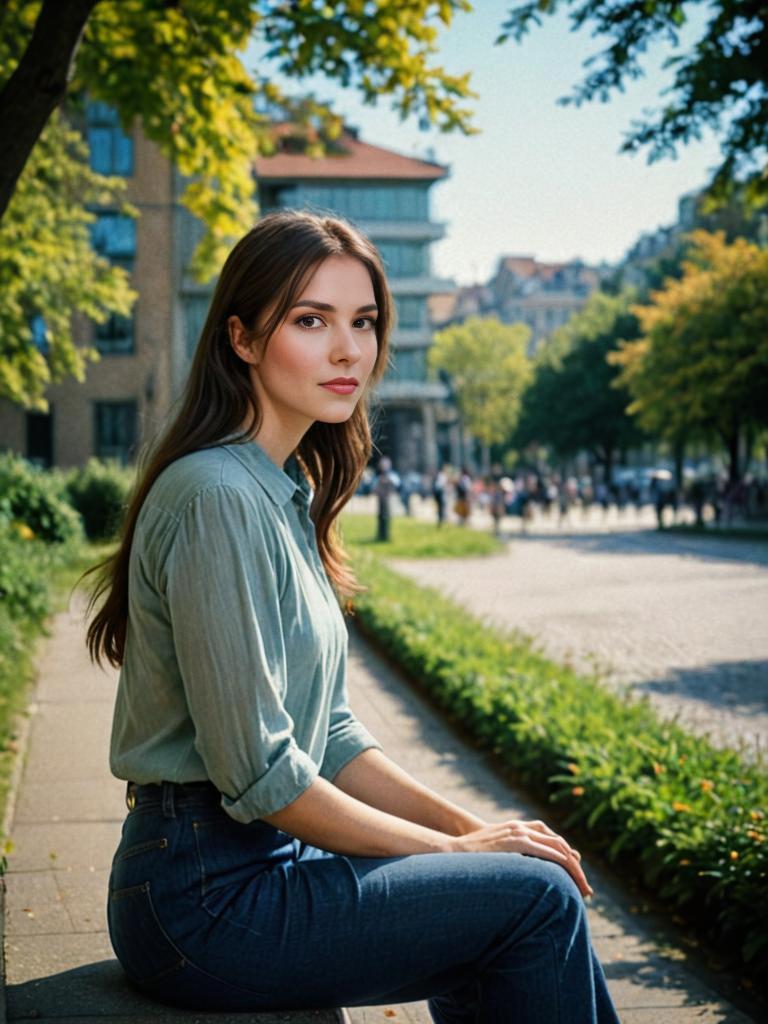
(332, 309)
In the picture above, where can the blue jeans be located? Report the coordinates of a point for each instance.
(207, 913)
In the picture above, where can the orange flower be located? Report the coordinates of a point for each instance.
(573, 768)
(679, 806)
(756, 815)
(734, 854)
(757, 836)
(578, 791)
(684, 862)
(707, 785)
(657, 768)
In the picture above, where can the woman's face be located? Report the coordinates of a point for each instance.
(329, 333)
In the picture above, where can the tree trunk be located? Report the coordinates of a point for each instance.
(37, 85)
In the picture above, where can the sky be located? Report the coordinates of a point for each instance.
(541, 179)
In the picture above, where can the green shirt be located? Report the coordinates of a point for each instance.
(236, 647)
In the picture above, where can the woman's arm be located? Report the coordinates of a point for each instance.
(323, 815)
(376, 780)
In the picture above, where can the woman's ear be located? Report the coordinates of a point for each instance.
(241, 341)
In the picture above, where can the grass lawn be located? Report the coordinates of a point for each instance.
(415, 538)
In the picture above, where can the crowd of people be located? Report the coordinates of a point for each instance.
(457, 492)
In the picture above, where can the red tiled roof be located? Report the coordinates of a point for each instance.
(358, 160)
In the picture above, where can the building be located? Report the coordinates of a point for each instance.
(544, 296)
(128, 394)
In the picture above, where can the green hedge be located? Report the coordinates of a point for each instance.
(688, 816)
(99, 491)
(37, 498)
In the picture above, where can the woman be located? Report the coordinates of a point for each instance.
(273, 856)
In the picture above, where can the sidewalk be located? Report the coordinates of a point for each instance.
(67, 818)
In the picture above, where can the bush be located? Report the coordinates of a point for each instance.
(37, 499)
(690, 818)
(23, 575)
(99, 491)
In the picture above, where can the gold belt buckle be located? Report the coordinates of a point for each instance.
(130, 796)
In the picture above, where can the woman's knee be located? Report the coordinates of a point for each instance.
(550, 884)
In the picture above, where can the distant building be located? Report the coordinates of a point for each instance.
(544, 296)
(127, 396)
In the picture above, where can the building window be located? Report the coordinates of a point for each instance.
(411, 311)
(403, 259)
(368, 202)
(111, 149)
(409, 364)
(115, 430)
(39, 334)
(114, 237)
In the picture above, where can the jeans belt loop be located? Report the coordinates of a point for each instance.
(130, 795)
(169, 808)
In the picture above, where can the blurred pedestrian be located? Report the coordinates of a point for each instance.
(463, 490)
(439, 493)
(385, 484)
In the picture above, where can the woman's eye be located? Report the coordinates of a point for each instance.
(302, 321)
(367, 319)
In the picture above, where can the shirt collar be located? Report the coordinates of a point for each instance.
(281, 485)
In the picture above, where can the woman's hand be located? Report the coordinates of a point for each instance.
(533, 838)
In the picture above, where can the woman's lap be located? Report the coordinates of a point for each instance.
(313, 929)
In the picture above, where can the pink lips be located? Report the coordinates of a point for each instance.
(342, 386)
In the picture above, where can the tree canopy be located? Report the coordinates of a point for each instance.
(700, 366)
(178, 68)
(720, 83)
(572, 403)
(489, 370)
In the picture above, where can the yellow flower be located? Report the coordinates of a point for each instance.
(573, 768)
(757, 836)
(657, 768)
(24, 531)
(683, 862)
(734, 854)
(756, 815)
(707, 785)
(679, 806)
(578, 791)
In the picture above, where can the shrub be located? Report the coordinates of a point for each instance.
(37, 499)
(23, 576)
(99, 492)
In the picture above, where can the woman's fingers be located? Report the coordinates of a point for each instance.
(571, 865)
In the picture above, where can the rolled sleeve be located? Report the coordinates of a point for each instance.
(347, 737)
(223, 602)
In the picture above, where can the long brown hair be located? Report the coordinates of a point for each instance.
(268, 267)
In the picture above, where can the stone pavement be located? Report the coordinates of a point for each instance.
(66, 821)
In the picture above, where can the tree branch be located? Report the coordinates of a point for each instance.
(37, 85)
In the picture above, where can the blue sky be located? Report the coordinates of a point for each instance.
(541, 179)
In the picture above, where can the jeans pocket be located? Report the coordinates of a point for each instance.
(139, 940)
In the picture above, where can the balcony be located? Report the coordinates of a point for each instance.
(402, 229)
(413, 390)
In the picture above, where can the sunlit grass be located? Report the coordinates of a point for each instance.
(415, 538)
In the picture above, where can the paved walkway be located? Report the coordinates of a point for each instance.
(67, 819)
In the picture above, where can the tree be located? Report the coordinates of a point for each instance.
(49, 268)
(722, 83)
(571, 404)
(700, 366)
(173, 65)
(489, 371)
